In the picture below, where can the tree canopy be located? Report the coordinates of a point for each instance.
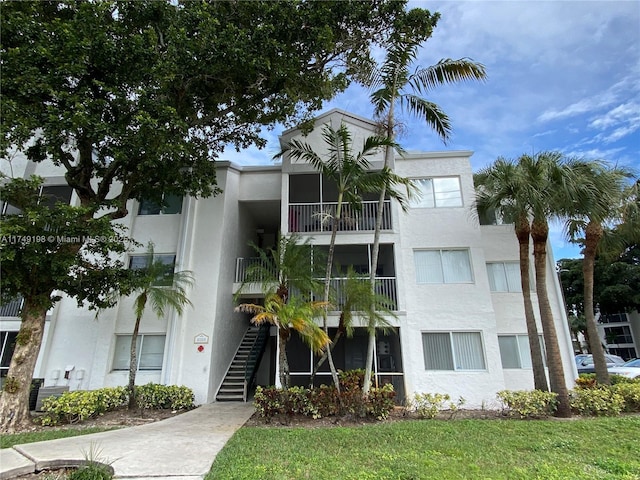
(147, 93)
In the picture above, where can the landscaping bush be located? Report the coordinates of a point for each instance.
(79, 405)
(324, 401)
(586, 380)
(597, 401)
(428, 405)
(76, 406)
(630, 392)
(155, 396)
(529, 403)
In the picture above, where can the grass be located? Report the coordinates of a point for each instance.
(9, 440)
(599, 448)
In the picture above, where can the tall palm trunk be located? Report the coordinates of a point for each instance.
(14, 401)
(327, 285)
(540, 234)
(283, 337)
(523, 232)
(375, 251)
(593, 234)
(133, 361)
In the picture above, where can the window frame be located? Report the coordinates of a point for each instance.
(452, 349)
(518, 286)
(429, 198)
(517, 337)
(166, 280)
(417, 251)
(162, 207)
(139, 350)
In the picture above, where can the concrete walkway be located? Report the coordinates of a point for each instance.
(178, 448)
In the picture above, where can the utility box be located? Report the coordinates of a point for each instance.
(46, 392)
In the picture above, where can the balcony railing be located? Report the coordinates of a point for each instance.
(12, 308)
(384, 285)
(318, 217)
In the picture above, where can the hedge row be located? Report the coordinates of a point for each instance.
(79, 405)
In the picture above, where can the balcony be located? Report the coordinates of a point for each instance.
(318, 217)
(384, 285)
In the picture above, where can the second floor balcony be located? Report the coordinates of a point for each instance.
(319, 217)
(385, 286)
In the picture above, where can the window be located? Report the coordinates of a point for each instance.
(453, 351)
(504, 276)
(149, 349)
(618, 335)
(7, 345)
(49, 196)
(442, 266)
(515, 351)
(170, 205)
(613, 318)
(165, 276)
(52, 194)
(438, 192)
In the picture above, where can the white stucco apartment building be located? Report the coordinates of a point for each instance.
(455, 285)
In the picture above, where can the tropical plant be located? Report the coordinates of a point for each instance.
(161, 287)
(550, 183)
(292, 315)
(291, 265)
(357, 299)
(353, 175)
(393, 83)
(289, 270)
(603, 188)
(501, 190)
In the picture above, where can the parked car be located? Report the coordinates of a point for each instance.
(584, 362)
(631, 369)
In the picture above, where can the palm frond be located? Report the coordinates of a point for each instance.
(431, 113)
(446, 71)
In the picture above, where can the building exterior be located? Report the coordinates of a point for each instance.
(620, 333)
(454, 284)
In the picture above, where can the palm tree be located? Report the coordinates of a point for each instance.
(549, 183)
(394, 83)
(292, 315)
(602, 189)
(499, 189)
(157, 284)
(353, 175)
(290, 271)
(356, 299)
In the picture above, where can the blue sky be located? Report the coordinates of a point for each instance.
(561, 75)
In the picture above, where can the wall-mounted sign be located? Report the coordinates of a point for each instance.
(201, 338)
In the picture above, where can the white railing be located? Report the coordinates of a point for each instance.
(12, 308)
(244, 265)
(318, 217)
(384, 285)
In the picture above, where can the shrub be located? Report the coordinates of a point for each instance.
(529, 403)
(76, 406)
(428, 405)
(324, 401)
(586, 380)
(380, 402)
(630, 392)
(155, 396)
(597, 401)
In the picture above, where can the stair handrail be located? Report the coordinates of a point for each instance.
(257, 349)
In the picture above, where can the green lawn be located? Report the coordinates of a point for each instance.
(7, 441)
(599, 448)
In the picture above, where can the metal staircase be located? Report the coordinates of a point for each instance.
(239, 378)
